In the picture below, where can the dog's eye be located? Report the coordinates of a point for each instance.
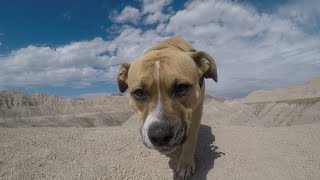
(139, 94)
(182, 89)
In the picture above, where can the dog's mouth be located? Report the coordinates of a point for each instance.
(166, 150)
(163, 149)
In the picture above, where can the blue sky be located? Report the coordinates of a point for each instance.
(54, 23)
(71, 48)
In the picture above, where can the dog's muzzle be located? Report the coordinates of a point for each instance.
(163, 136)
(160, 133)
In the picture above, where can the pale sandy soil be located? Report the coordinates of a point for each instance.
(117, 153)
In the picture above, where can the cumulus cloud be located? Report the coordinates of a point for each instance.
(132, 42)
(152, 11)
(77, 64)
(152, 6)
(156, 17)
(304, 13)
(253, 50)
(155, 11)
(127, 15)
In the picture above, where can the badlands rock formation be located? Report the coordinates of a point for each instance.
(272, 108)
(309, 90)
(18, 109)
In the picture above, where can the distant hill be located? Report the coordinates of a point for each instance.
(19, 109)
(272, 108)
(309, 90)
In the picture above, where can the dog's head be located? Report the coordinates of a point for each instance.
(164, 88)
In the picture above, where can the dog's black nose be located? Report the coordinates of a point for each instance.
(160, 134)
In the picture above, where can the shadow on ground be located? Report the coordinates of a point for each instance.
(205, 155)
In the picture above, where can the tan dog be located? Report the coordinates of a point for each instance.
(166, 89)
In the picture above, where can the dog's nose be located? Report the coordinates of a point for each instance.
(160, 134)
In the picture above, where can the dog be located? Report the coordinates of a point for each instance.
(166, 89)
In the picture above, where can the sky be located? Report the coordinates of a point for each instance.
(74, 47)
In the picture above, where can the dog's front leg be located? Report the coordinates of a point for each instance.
(186, 165)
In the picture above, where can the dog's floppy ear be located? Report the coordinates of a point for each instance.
(123, 76)
(206, 64)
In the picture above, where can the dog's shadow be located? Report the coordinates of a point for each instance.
(205, 155)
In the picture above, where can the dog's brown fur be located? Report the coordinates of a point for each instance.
(170, 62)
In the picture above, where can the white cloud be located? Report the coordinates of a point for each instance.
(77, 64)
(305, 13)
(152, 6)
(152, 11)
(127, 15)
(156, 17)
(132, 42)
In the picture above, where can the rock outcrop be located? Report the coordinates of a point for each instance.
(309, 90)
(18, 109)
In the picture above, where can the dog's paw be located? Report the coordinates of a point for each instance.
(185, 167)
